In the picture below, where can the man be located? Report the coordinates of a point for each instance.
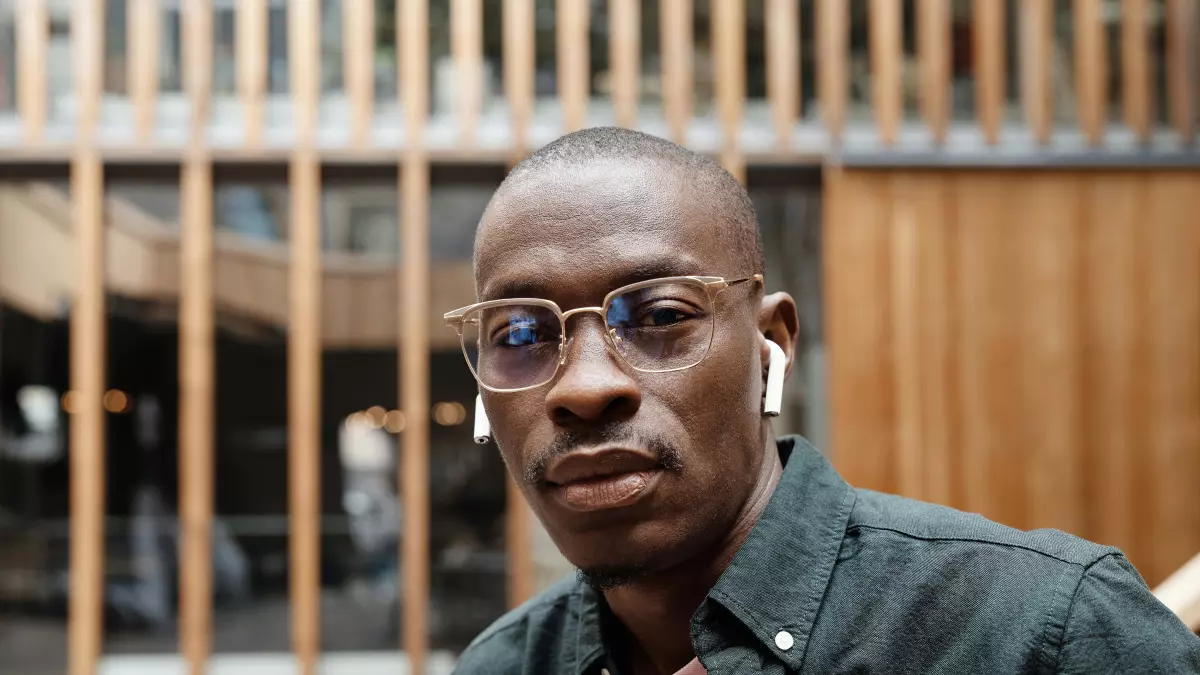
(623, 348)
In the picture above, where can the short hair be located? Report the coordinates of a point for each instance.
(617, 143)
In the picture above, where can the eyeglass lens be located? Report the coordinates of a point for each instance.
(656, 327)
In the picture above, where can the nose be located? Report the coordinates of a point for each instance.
(595, 386)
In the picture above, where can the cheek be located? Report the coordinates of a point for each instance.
(514, 420)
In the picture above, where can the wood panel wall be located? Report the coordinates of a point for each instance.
(1025, 345)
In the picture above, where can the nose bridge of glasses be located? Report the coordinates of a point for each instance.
(569, 336)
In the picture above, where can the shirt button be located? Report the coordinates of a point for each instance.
(783, 640)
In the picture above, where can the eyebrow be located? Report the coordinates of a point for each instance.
(540, 287)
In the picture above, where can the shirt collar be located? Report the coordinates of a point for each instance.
(778, 577)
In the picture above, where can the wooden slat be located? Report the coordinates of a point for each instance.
(940, 420)
(1173, 450)
(833, 40)
(144, 28)
(196, 349)
(412, 21)
(625, 48)
(1043, 226)
(196, 391)
(304, 408)
(989, 31)
(466, 47)
(783, 66)
(675, 23)
(887, 53)
(88, 348)
(857, 282)
(1091, 69)
(1181, 66)
(729, 51)
(251, 54)
(1135, 66)
(991, 463)
(519, 65)
(573, 79)
(1037, 43)
(304, 340)
(905, 321)
(87, 423)
(933, 46)
(1113, 278)
(33, 34)
(358, 44)
(414, 331)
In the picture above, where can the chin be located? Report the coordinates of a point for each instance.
(612, 557)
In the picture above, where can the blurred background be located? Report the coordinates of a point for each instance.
(235, 433)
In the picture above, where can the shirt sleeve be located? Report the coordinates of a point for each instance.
(1116, 625)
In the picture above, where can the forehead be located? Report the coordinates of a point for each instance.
(573, 234)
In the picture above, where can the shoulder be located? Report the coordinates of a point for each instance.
(897, 519)
(1068, 604)
(538, 627)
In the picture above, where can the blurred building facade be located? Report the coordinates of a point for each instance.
(250, 216)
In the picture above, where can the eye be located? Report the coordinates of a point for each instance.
(663, 316)
(517, 335)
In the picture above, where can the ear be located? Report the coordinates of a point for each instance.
(779, 322)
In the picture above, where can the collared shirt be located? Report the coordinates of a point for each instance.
(834, 579)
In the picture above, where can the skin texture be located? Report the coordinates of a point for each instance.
(571, 235)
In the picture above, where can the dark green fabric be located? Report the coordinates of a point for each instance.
(871, 583)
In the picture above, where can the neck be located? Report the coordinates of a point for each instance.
(657, 609)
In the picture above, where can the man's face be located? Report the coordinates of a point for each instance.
(628, 471)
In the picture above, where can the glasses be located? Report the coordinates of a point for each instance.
(655, 326)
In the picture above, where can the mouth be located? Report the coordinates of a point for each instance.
(602, 478)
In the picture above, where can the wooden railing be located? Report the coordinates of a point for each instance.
(87, 143)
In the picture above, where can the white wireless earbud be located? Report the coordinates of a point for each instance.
(483, 428)
(775, 369)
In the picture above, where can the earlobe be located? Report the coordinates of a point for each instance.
(483, 428)
(776, 368)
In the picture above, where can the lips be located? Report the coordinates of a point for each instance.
(602, 478)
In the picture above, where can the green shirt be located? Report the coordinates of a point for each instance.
(834, 579)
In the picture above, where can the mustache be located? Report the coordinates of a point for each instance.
(613, 434)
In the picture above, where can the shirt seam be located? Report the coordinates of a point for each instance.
(1062, 638)
(975, 540)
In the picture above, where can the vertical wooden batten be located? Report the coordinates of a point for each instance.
(675, 22)
(33, 34)
(1037, 44)
(197, 388)
(833, 40)
(414, 333)
(519, 65)
(144, 28)
(624, 49)
(358, 41)
(729, 50)
(1135, 67)
(466, 46)
(782, 26)
(886, 36)
(1091, 70)
(251, 36)
(88, 350)
(989, 31)
(574, 81)
(304, 339)
(933, 47)
(1181, 66)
